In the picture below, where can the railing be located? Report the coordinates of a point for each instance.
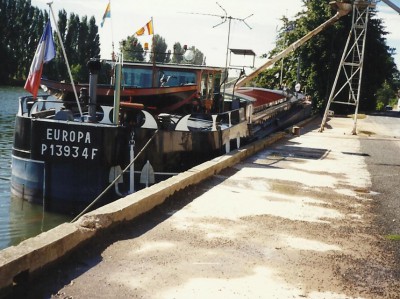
(42, 107)
(210, 122)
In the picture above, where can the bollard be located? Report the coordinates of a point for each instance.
(296, 130)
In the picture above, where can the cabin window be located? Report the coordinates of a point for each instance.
(134, 77)
(176, 78)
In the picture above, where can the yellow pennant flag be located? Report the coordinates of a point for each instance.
(146, 30)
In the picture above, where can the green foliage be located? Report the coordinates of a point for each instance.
(81, 42)
(385, 96)
(160, 50)
(21, 27)
(393, 237)
(198, 56)
(179, 55)
(315, 63)
(76, 71)
(132, 49)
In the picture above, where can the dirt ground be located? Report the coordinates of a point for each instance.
(298, 220)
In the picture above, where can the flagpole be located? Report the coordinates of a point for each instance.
(154, 54)
(66, 59)
(112, 35)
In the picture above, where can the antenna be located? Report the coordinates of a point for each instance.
(224, 18)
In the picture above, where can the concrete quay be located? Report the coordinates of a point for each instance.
(31, 256)
(286, 217)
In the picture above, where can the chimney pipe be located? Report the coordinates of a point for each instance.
(94, 66)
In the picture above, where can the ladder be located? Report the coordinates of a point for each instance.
(351, 64)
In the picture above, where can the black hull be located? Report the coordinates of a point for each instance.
(65, 165)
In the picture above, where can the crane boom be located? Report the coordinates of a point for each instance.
(392, 5)
(343, 8)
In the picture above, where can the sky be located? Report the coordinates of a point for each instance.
(198, 23)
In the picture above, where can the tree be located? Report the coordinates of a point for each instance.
(81, 43)
(21, 27)
(132, 49)
(177, 53)
(198, 56)
(93, 39)
(384, 96)
(71, 39)
(160, 50)
(379, 68)
(319, 58)
(57, 69)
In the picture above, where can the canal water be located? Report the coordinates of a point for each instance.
(19, 220)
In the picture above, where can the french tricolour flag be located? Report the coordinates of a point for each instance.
(44, 53)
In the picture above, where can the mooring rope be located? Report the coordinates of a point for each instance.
(116, 179)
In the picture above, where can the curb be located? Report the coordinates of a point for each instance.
(31, 256)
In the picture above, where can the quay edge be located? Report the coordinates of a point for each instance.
(32, 256)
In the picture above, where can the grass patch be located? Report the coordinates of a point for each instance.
(369, 133)
(393, 237)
